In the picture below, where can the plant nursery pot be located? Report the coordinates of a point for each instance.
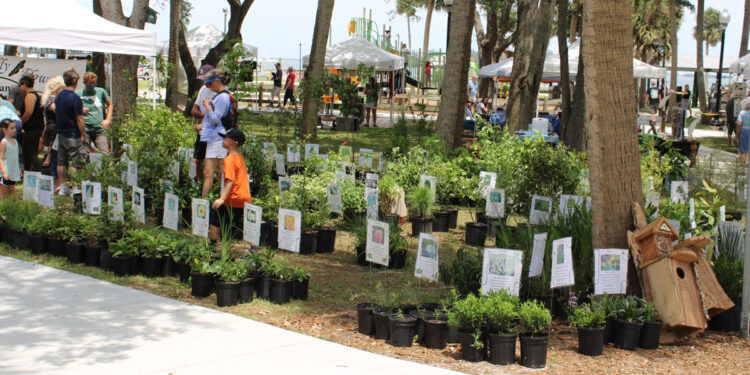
(468, 351)
(365, 318)
(74, 252)
(273, 237)
(452, 217)
(452, 337)
(227, 293)
(361, 256)
(609, 330)
(590, 341)
(390, 219)
(265, 228)
(382, 324)
(187, 216)
(24, 240)
(326, 240)
(534, 351)
(435, 333)
(440, 221)
(168, 266)
(627, 334)
(482, 218)
(151, 266)
(122, 265)
(300, 289)
(309, 242)
(56, 246)
(502, 348)
(183, 270)
(263, 287)
(105, 259)
(8, 236)
(402, 330)
(281, 291)
(38, 244)
(159, 213)
(420, 225)
(202, 284)
(650, 335)
(91, 255)
(246, 290)
(726, 321)
(476, 233)
(398, 259)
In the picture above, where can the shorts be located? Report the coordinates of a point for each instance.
(71, 152)
(199, 150)
(214, 150)
(7, 183)
(224, 214)
(653, 108)
(373, 105)
(686, 104)
(275, 91)
(98, 140)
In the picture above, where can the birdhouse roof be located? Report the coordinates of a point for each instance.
(660, 226)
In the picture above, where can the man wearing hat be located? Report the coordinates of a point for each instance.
(198, 111)
(276, 90)
(229, 207)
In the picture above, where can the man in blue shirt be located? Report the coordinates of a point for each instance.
(72, 151)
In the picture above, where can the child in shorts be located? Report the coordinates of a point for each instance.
(9, 166)
(228, 208)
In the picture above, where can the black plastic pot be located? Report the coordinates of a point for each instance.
(246, 291)
(92, 255)
(122, 265)
(74, 252)
(273, 237)
(440, 221)
(300, 289)
(435, 333)
(452, 337)
(24, 240)
(726, 321)
(452, 217)
(390, 219)
(650, 335)
(402, 330)
(398, 259)
(309, 242)
(263, 287)
(476, 234)
(502, 348)
(627, 334)
(105, 259)
(326, 240)
(202, 284)
(168, 266)
(534, 351)
(365, 319)
(151, 266)
(590, 341)
(468, 351)
(265, 227)
(420, 225)
(183, 269)
(482, 218)
(382, 323)
(361, 256)
(281, 291)
(38, 244)
(8, 236)
(609, 330)
(227, 293)
(56, 246)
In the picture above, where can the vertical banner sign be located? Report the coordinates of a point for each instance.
(115, 203)
(562, 263)
(132, 177)
(365, 158)
(371, 180)
(285, 184)
(427, 265)
(610, 271)
(501, 269)
(346, 153)
(678, 192)
(46, 191)
(171, 214)
(290, 229)
(30, 186)
(251, 224)
(537, 255)
(371, 198)
(311, 149)
(569, 203)
(378, 235)
(293, 154)
(487, 180)
(540, 209)
(280, 166)
(495, 206)
(201, 211)
(430, 182)
(334, 198)
(139, 205)
(92, 197)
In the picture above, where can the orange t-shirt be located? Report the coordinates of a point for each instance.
(235, 171)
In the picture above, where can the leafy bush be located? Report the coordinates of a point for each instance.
(501, 312)
(353, 196)
(468, 314)
(231, 271)
(587, 316)
(465, 273)
(533, 318)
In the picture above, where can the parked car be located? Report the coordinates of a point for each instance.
(144, 71)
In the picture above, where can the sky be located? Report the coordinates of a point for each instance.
(278, 27)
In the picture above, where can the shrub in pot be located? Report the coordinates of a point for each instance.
(365, 319)
(300, 283)
(38, 229)
(608, 303)
(152, 249)
(263, 264)
(728, 266)
(630, 314)
(468, 315)
(388, 196)
(476, 230)
(92, 233)
(229, 273)
(281, 283)
(420, 201)
(73, 235)
(533, 324)
(123, 256)
(589, 319)
(201, 277)
(387, 300)
(402, 327)
(435, 330)
(501, 314)
(651, 331)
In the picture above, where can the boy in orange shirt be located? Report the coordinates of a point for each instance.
(228, 208)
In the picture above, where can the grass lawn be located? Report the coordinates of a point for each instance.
(719, 143)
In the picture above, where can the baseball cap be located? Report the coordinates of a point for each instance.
(236, 135)
(204, 69)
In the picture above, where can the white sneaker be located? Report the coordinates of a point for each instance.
(76, 190)
(64, 190)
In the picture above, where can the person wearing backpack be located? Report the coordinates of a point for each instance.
(220, 117)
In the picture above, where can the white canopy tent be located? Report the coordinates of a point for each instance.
(740, 66)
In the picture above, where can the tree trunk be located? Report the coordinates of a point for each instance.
(745, 29)
(125, 67)
(503, 26)
(575, 134)
(562, 44)
(450, 118)
(486, 43)
(430, 4)
(700, 88)
(408, 29)
(673, 72)
(574, 21)
(315, 69)
(614, 164)
(10, 50)
(175, 25)
(194, 84)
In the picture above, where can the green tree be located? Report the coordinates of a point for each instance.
(711, 28)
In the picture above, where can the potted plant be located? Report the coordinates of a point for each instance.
(281, 283)
(651, 331)
(435, 329)
(608, 303)
(630, 314)
(229, 273)
(388, 196)
(38, 229)
(123, 256)
(55, 235)
(365, 319)
(151, 249)
(73, 235)
(353, 200)
(347, 92)
(92, 233)
(201, 277)
(534, 320)
(465, 272)
(501, 312)
(247, 284)
(402, 327)
(399, 248)
(387, 300)
(589, 319)
(476, 230)
(728, 266)
(300, 283)
(421, 202)
(468, 315)
(264, 264)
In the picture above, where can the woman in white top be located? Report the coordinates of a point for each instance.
(215, 110)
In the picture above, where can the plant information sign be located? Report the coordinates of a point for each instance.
(378, 235)
(311, 149)
(92, 197)
(569, 203)
(132, 174)
(31, 186)
(365, 157)
(293, 154)
(115, 203)
(430, 182)
(501, 270)
(427, 265)
(495, 206)
(678, 192)
(285, 184)
(290, 229)
(334, 198)
(201, 211)
(251, 224)
(541, 207)
(371, 180)
(487, 180)
(371, 199)
(537, 255)
(139, 205)
(280, 166)
(171, 211)
(562, 263)
(610, 271)
(46, 196)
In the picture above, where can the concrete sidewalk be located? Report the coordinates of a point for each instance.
(56, 322)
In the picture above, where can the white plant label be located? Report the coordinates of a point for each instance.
(46, 195)
(540, 209)
(495, 206)
(95, 158)
(380, 162)
(610, 271)
(487, 180)
(652, 199)
(139, 205)
(537, 255)
(378, 235)
(176, 171)
(115, 203)
(30, 186)
(251, 224)
(293, 154)
(92, 197)
(429, 181)
(562, 263)
(427, 265)
(569, 203)
(340, 176)
(269, 150)
(691, 214)
(371, 180)
(675, 224)
(285, 184)
(679, 192)
(201, 211)
(311, 149)
(171, 215)
(192, 169)
(290, 229)
(280, 166)
(501, 270)
(334, 198)
(365, 157)
(371, 198)
(723, 213)
(132, 174)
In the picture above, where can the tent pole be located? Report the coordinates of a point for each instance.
(393, 97)
(153, 81)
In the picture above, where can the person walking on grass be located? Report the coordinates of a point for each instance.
(372, 93)
(97, 110)
(229, 207)
(11, 171)
(289, 87)
(276, 90)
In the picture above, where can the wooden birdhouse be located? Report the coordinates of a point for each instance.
(656, 240)
(670, 284)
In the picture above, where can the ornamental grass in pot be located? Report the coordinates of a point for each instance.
(501, 314)
(533, 326)
(421, 202)
(589, 319)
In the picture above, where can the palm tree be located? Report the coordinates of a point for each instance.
(745, 29)
(711, 28)
(175, 16)
(700, 87)
(407, 8)
(315, 68)
(673, 70)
